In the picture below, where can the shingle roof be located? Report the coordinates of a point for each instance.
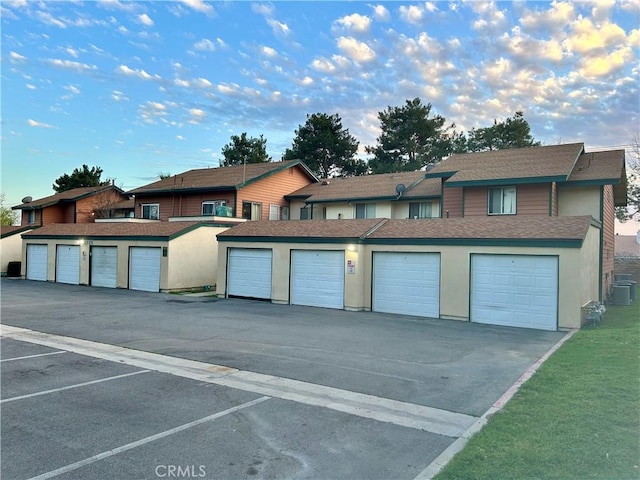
(218, 178)
(116, 229)
(302, 228)
(549, 162)
(9, 230)
(67, 196)
(369, 187)
(603, 167)
(505, 229)
(627, 246)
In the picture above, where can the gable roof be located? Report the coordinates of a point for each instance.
(504, 231)
(516, 165)
(9, 230)
(369, 187)
(67, 196)
(221, 178)
(116, 230)
(627, 246)
(602, 168)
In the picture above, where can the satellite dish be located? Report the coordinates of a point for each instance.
(400, 188)
(27, 200)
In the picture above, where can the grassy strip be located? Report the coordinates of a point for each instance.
(578, 417)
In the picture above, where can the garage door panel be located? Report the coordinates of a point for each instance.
(104, 266)
(144, 268)
(515, 290)
(68, 264)
(37, 256)
(406, 283)
(249, 272)
(317, 278)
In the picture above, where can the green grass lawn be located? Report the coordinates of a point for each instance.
(578, 417)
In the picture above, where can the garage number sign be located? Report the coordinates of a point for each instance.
(351, 266)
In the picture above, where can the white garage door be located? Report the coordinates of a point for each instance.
(407, 283)
(249, 272)
(317, 278)
(68, 264)
(144, 268)
(37, 262)
(515, 290)
(104, 261)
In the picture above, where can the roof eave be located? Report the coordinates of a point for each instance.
(505, 181)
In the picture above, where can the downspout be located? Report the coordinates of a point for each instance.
(601, 254)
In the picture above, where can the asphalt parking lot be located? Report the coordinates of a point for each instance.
(100, 383)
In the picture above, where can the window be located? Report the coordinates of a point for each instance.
(305, 213)
(274, 212)
(251, 210)
(285, 213)
(151, 211)
(32, 217)
(420, 210)
(365, 210)
(502, 201)
(210, 207)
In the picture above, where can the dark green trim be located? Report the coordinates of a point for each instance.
(98, 237)
(599, 181)
(282, 168)
(503, 181)
(152, 193)
(417, 198)
(601, 246)
(352, 199)
(440, 174)
(235, 204)
(484, 242)
(463, 195)
(18, 230)
(481, 242)
(351, 240)
(595, 223)
(551, 199)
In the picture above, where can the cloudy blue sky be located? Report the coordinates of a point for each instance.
(139, 88)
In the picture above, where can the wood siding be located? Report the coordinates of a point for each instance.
(608, 234)
(554, 199)
(272, 189)
(531, 199)
(452, 202)
(54, 214)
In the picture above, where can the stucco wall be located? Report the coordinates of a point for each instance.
(574, 201)
(573, 264)
(10, 250)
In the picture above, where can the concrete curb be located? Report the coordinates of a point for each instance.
(445, 457)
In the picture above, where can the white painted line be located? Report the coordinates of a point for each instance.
(144, 441)
(69, 387)
(405, 414)
(445, 457)
(32, 356)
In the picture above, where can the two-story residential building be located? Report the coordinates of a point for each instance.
(78, 205)
(390, 195)
(523, 237)
(252, 192)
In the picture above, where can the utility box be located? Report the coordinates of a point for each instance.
(13, 269)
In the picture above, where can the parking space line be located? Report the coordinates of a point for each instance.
(420, 417)
(69, 387)
(144, 441)
(32, 356)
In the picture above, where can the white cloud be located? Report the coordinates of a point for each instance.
(431, 7)
(72, 89)
(118, 96)
(207, 45)
(197, 115)
(555, 18)
(69, 65)
(604, 65)
(381, 14)
(180, 137)
(355, 23)
(268, 52)
(306, 81)
(323, 65)
(199, 6)
(265, 9)
(144, 19)
(31, 86)
(72, 52)
(358, 51)
(279, 28)
(127, 6)
(16, 57)
(411, 14)
(588, 38)
(152, 112)
(34, 123)
(491, 17)
(138, 73)
(202, 83)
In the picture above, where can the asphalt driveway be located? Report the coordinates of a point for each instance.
(303, 392)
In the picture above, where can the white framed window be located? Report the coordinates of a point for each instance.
(274, 212)
(420, 210)
(252, 210)
(210, 207)
(502, 201)
(151, 211)
(365, 210)
(31, 218)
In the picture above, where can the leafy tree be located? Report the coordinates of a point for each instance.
(7, 216)
(326, 147)
(513, 132)
(164, 175)
(243, 149)
(410, 139)
(632, 210)
(84, 177)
